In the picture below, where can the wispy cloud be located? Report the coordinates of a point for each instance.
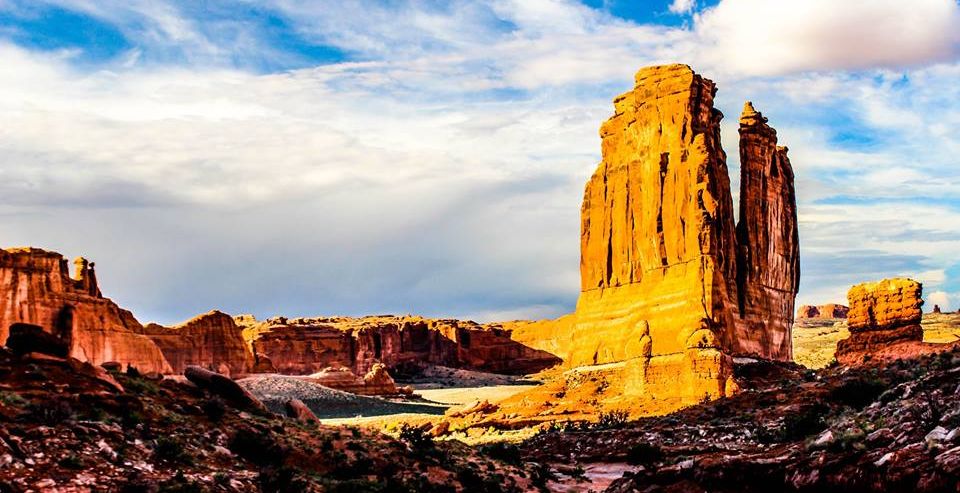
(430, 158)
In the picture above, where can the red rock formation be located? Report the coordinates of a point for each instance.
(304, 346)
(212, 340)
(884, 321)
(828, 311)
(768, 260)
(376, 382)
(936, 309)
(38, 290)
(669, 286)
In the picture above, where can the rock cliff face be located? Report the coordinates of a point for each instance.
(212, 340)
(38, 290)
(308, 345)
(669, 284)
(830, 310)
(768, 259)
(884, 320)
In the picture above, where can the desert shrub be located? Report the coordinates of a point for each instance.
(502, 451)
(179, 484)
(11, 399)
(51, 413)
(171, 449)
(214, 408)
(612, 420)
(71, 461)
(258, 447)
(540, 474)
(416, 438)
(644, 454)
(857, 392)
(805, 422)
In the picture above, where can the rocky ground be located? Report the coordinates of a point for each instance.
(326, 403)
(66, 426)
(793, 429)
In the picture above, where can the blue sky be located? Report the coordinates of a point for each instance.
(294, 157)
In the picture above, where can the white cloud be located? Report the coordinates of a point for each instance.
(780, 36)
(441, 171)
(682, 6)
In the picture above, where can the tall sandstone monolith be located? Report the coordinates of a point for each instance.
(768, 259)
(670, 285)
(38, 290)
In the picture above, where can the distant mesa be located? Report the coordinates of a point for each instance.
(936, 308)
(828, 311)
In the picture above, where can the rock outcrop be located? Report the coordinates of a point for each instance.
(305, 346)
(376, 382)
(884, 320)
(222, 386)
(669, 284)
(828, 311)
(38, 290)
(212, 340)
(768, 240)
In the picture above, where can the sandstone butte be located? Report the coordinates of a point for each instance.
(671, 287)
(38, 290)
(828, 311)
(884, 323)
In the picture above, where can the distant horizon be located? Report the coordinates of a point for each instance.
(285, 158)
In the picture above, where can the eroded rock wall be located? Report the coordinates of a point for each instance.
(768, 241)
(38, 290)
(308, 345)
(211, 340)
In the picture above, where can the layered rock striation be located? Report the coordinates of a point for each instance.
(884, 320)
(211, 340)
(670, 285)
(38, 290)
(768, 242)
(305, 346)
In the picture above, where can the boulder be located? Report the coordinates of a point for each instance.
(296, 409)
(225, 388)
(27, 338)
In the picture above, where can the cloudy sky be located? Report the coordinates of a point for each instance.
(331, 157)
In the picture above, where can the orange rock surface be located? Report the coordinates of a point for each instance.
(304, 346)
(212, 340)
(670, 287)
(38, 290)
(884, 321)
